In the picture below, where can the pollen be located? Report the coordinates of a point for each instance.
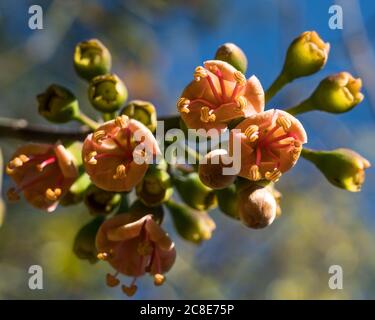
(254, 172)
(239, 77)
(252, 132)
(90, 158)
(98, 136)
(242, 102)
(207, 115)
(159, 279)
(120, 172)
(13, 195)
(284, 122)
(53, 195)
(273, 176)
(122, 121)
(200, 73)
(111, 280)
(183, 104)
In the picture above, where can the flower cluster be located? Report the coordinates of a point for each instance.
(120, 158)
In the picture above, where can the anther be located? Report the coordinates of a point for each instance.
(254, 172)
(15, 163)
(183, 104)
(111, 280)
(200, 73)
(239, 77)
(90, 158)
(273, 176)
(102, 256)
(241, 102)
(122, 121)
(284, 122)
(207, 115)
(159, 279)
(120, 172)
(252, 132)
(129, 291)
(53, 195)
(99, 135)
(24, 158)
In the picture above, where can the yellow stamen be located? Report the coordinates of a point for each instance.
(24, 158)
(53, 195)
(112, 281)
(274, 175)
(122, 121)
(90, 158)
(98, 136)
(254, 172)
(15, 163)
(242, 102)
(239, 77)
(13, 195)
(183, 104)
(129, 291)
(200, 73)
(158, 279)
(284, 122)
(9, 170)
(102, 256)
(120, 172)
(252, 132)
(207, 115)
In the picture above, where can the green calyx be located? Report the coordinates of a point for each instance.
(143, 111)
(101, 202)
(231, 53)
(91, 59)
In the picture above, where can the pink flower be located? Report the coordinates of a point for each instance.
(271, 143)
(116, 155)
(135, 247)
(219, 94)
(43, 172)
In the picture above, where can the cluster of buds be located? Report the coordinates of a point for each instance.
(116, 161)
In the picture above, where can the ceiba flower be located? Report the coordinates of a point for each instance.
(218, 94)
(117, 154)
(271, 143)
(43, 173)
(135, 246)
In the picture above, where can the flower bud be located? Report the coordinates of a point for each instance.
(306, 55)
(77, 190)
(155, 188)
(228, 201)
(277, 195)
(58, 104)
(257, 207)
(143, 111)
(194, 193)
(192, 225)
(138, 210)
(91, 59)
(84, 242)
(211, 172)
(107, 93)
(232, 54)
(344, 168)
(101, 202)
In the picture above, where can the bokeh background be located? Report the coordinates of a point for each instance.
(156, 45)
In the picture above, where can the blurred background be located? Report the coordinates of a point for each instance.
(156, 44)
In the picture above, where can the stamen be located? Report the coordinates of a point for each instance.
(207, 115)
(45, 163)
(216, 71)
(53, 195)
(254, 172)
(213, 89)
(24, 158)
(200, 73)
(99, 136)
(284, 122)
(111, 280)
(242, 102)
(239, 77)
(282, 137)
(120, 172)
(102, 256)
(13, 195)
(258, 156)
(252, 132)
(274, 175)
(15, 163)
(205, 102)
(158, 279)
(129, 291)
(90, 158)
(183, 104)
(122, 121)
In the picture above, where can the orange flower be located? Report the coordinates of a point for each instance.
(271, 143)
(114, 156)
(43, 172)
(135, 247)
(219, 94)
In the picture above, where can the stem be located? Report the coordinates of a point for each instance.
(86, 121)
(276, 86)
(302, 107)
(309, 154)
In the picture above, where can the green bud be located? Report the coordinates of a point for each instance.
(155, 188)
(306, 55)
(91, 59)
(228, 201)
(232, 54)
(139, 210)
(192, 225)
(101, 202)
(143, 111)
(344, 168)
(194, 193)
(77, 190)
(58, 104)
(257, 207)
(84, 242)
(107, 93)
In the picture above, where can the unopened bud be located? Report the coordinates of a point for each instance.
(344, 168)
(91, 59)
(143, 111)
(101, 202)
(231, 53)
(228, 201)
(77, 190)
